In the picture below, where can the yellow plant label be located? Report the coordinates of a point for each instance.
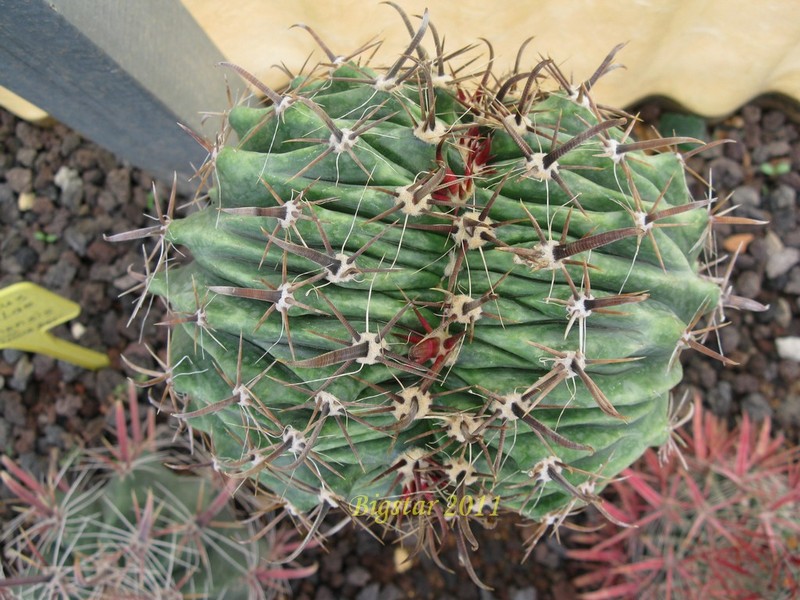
(27, 311)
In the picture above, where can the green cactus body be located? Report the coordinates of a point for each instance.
(462, 300)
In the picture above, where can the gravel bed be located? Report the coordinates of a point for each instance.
(60, 193)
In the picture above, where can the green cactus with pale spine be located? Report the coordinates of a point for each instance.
(117, 522)
(412, 285)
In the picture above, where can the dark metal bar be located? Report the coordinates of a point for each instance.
(120, 73)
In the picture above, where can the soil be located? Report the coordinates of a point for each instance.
(59, 194)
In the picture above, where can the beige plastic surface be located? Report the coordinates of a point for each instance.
(710, 56)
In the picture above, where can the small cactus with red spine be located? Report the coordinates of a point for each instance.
(719, 521)
(117, 523)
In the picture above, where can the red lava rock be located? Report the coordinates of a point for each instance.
(68, 405)
(20, 179)
(43, 206)
(100, 251)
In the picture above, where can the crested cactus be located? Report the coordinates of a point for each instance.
(420, 295)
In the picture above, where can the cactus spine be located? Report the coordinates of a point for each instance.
(416, 283)
(117, 523)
